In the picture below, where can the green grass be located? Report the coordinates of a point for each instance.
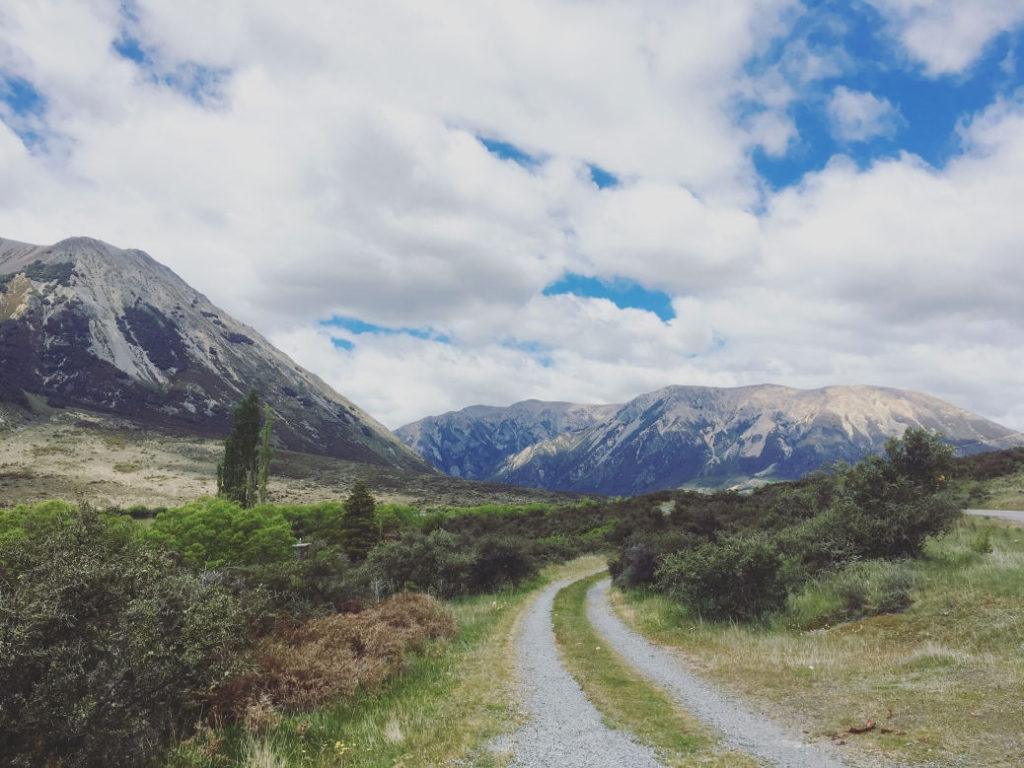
(945, 676)
(626, 699)
(446, 705)
(1005, 492)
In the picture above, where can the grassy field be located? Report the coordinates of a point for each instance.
(108, 461)
(943, 681)
(627, 701)
(1006, 492)
(447, 705)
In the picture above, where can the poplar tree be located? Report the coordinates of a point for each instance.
(236, 475)
(263, 460)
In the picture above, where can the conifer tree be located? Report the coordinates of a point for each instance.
(236, 475)
(263, 461)
(359, 530)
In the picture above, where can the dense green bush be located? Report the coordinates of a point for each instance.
(500, 560)
(215, 532)
(437, 563)
(738, 577)
(105, 645)
(315, 521)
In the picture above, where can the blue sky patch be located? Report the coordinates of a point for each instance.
(130, 48)
(342, 343)
(202, 84)
(22, 108)
(601, 177)
(507, 151)
(867, 59)
(358, 327)
(622, 292)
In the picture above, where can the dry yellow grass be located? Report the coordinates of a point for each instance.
(81, 456)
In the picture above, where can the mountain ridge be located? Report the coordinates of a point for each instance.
(692, 436)
(87, 324)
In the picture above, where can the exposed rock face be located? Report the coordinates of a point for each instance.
(475, 442)
(112, 330)
(689, 436)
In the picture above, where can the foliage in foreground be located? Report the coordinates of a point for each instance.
(105, 645)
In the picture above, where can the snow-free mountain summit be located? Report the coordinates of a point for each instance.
(703, 437)
(86, 324)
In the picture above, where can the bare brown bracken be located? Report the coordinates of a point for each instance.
(327, 659)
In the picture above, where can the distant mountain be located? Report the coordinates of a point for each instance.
(702, 437)
(83, 323)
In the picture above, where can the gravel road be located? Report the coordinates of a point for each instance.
(749, 732)
(564, 730)
(1006, 514)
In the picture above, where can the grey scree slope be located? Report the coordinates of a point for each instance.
(750, 733)
(564, 730)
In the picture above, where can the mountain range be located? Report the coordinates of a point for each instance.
(700, 437)
(85, 325)
(88, 325)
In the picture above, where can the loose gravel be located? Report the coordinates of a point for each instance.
(564, 730)
(749, 732)
(1006, 514)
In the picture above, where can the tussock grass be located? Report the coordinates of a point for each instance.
(945, 677)
(625, 698)
(446, 705)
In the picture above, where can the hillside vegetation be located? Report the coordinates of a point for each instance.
(204, 617)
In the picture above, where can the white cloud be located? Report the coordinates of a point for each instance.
(947, 36)
(858, 116)
(340, 173)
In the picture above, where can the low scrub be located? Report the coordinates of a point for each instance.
(326, 659)
(739, 577)
(859, 590)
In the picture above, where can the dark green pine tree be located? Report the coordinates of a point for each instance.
(236, 475)
(359, 530)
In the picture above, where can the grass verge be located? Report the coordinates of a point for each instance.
(624, 697)
(446, 705)
(943, 680)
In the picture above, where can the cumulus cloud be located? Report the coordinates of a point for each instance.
(857, 116)
(317, 160)
(947, 36)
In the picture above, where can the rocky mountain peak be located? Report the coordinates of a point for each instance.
(110, 329)
(691, 436)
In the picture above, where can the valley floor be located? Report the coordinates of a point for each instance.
(81, 456)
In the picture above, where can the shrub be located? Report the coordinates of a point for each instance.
(436, 563)
(641, 556)
(886, 528)
(737, 578)
(215, 532)
(104, 643)
(326, 659)
(500, 560)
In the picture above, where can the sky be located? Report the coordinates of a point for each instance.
(439, 203)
